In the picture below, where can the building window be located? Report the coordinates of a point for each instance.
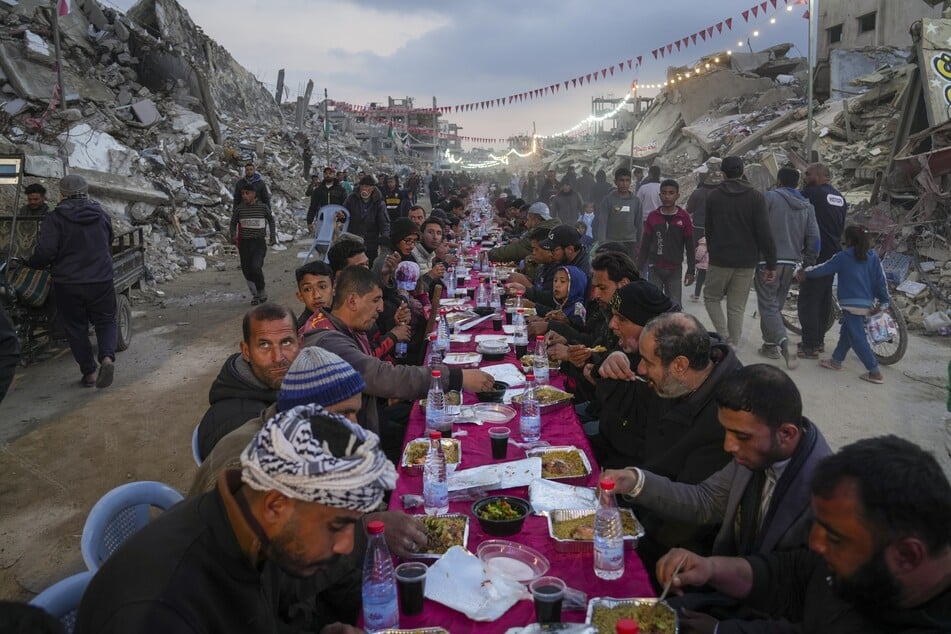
(867, 22)
(835, 34)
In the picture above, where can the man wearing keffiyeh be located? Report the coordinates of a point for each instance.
(227, 561)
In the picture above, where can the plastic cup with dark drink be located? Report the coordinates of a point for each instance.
(521, 350)
(509, 314)
(500, 441)
(470, 291)
(411, 581)
(548, 593)
(497, 322)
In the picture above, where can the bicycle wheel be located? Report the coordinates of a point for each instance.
(790, 312)
(892, 350)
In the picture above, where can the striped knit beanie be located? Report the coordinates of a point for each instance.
(318, 376)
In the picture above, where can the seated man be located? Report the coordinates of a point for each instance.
(321, 377)
(672, 429)
(347, 250)
(879, 558)
(315, 288)
(221, 561)
(358, 301)
(538, 216)
(249, 380)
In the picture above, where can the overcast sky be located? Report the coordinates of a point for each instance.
(475, 50)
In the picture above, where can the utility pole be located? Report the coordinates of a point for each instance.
(435, 135)
(634, 113)
(59, 94)
(813, 23)
(326, 127)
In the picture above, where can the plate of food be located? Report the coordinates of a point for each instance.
(452, 301)
(457, 316)
(559, 463)
(414, 454)
(443, 532)
(605, 612)
(462, 359)
(549, 398)
(572, 530)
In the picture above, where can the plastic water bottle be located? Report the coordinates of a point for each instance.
(449, 279)
(530, 420)
(521, 333)
(435, 403)
(482, 294)
(495, 299)
(608, 535)
(435, 354)
(442, 332)
(380, 609)
(540, 360)
(435, 482)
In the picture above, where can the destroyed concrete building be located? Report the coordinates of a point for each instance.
(159, 119)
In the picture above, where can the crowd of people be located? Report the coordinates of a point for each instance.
(756, 523)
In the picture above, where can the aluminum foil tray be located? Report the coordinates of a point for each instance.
(541, 451)
(404, 461)
(465, 536)
(610, 602)
(587, 545)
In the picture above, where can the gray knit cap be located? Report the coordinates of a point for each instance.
(318, 376)
(73, 185)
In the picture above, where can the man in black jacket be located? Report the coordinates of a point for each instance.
(249, 380)
(328, 192)
(738, 234)
(368, 216)
(252, 178)
(231, 560)
(74, 241)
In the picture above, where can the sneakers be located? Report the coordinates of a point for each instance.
(106, 374)
(792, 358)
(770, 352)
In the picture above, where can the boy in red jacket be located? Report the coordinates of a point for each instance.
(668, 235)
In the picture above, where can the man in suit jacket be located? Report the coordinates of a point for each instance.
(761, 499)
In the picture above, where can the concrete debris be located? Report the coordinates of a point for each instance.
(161, 120)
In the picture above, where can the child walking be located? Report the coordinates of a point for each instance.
(861, 282)
(702, 262)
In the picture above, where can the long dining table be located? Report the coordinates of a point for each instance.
(559, 427)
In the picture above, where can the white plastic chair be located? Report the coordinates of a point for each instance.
(327, 218)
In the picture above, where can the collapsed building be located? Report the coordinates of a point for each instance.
(883, 129)
(160, 120)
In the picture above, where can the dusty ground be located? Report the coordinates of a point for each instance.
(62, 446)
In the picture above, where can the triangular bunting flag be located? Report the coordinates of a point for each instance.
(670, 48)
(612, 71)
(719, 27)
(604, 72)
(774, 3)
(566, 84)
(762, 5)
(589, 78)
(729, 23)
(806, 14)
(654, 53)
(746, 16)
(678, 44)
(639, 58)
(686, 42)
(710, 31)
(693, 38)
(574, 82)
(755, 10)
(703, 35)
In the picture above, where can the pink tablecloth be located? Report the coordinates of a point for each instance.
(560, 427)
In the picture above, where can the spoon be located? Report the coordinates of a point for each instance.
(663, 595)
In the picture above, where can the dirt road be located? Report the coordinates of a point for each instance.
(62, 446)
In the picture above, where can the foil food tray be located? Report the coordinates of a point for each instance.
(610, 602)
(587, 545)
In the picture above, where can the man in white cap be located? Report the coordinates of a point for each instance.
(74, 242)
(539, 215)
(222, 562)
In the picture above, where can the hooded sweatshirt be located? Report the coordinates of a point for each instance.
(236, 396)
(795, 231)
(260, 188)
(737, 228)
(75, 240)
(573, 306)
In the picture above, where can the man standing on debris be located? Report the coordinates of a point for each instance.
(252, 178)
(251, 215)
(75, 240)
(738, 232)
(328, 192)
(368, 215)
(620, 215)
(815, 294)
(796, 235)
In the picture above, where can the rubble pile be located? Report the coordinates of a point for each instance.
(159, 119)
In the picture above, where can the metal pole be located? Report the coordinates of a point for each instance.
(60, 88)
(435, 135)
(326, 127)
(813, 22)
(637, 106)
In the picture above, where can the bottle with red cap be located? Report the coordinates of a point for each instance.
(380, 609)
(435, 480)
(608, 534)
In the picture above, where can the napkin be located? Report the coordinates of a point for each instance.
(458, 580)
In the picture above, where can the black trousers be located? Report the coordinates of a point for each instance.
(252, 252)
(814, 307)
(84, 304)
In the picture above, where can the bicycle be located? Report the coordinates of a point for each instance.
(888, 352)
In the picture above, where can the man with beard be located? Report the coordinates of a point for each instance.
(328, 192)
(538, 215)
(221, 562)
(249, 380)
(368, 216)
(761, 499)
(253, 179)
(36, 204)
(417, 214)
(879, 552)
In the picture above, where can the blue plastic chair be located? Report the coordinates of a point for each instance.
(119, 514)
(61, 600)
(327, 219)
(196, 452)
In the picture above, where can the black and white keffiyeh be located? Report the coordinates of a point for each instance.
(310, 454)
